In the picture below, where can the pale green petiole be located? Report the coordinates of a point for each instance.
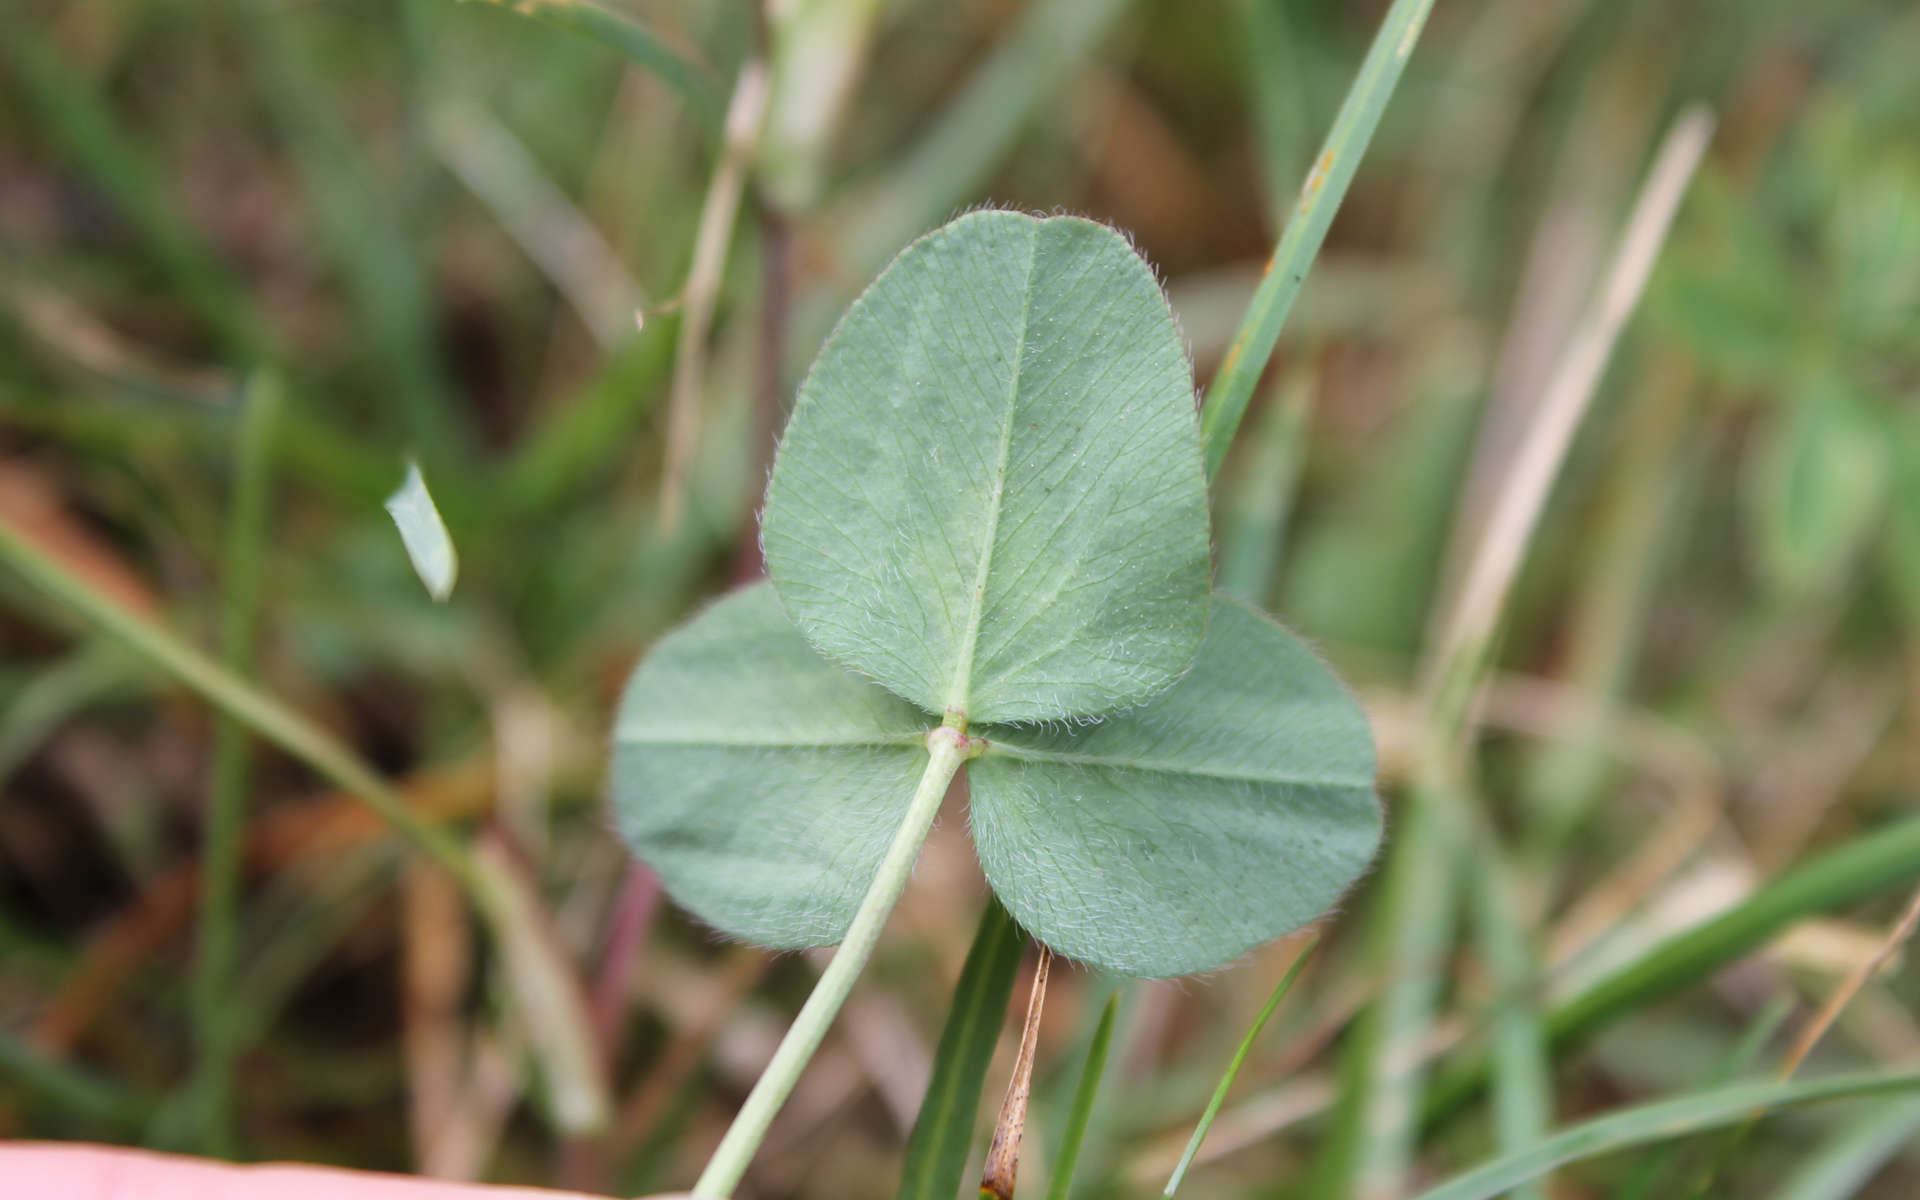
(947, 748)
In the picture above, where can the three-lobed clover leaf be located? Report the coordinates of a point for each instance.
(989, 508)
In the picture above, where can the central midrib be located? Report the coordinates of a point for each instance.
(1019, 753)
(958, 694)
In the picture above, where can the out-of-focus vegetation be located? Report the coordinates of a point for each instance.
(254, 256)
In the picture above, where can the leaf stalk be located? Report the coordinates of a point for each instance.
(947, 748)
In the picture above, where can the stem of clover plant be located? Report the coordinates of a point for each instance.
(947, 747)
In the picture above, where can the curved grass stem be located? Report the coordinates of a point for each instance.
(227, 788)
(947, 748)
(243, 702)
(1306, 228)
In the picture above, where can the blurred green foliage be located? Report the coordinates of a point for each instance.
(1720, 615)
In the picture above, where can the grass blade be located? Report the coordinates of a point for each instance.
(1084, 1095)
(1850, 873)
(1653, 1170)
(1849, 988)
(253, 708)
(1842, 1166)
(1810, 1036)
(546, 224)
(1377, 1130)
(552, 1000)
(85, 129)
(1502, 543)
(1233, 1067)
(1523, 1077)
(1410, 941)
(232, 762)
(1259, 498)
(1300, 241)
(641, 45)
(746, 114)
(383, 262)
(1659, 1121)
(959, 150)
(73, 1089)
(937, 1149)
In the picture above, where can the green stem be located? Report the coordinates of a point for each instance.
(1060, 1187)
(957, 154)
(1848, 874)
(74, 1091)
(1300, 241)
(1239, 1059)
(251, 707)
(74, 116)
(947, 748)
(682, 72)
(936, 1156)
(1410, 942)
(1523, 1076)
(226, 790)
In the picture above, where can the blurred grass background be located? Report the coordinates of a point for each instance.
(255, 254)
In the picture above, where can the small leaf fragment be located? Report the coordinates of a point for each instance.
(424, 534)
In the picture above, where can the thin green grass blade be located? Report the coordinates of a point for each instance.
(566, 453)
(1855, 871)
(1654, 1169)
(1233, 1067)
(94, 673)
(1522, 1075)
(1254, 507)
(1374, 1128)
(1084, 1094)
(1320, 197)
(642, 46)
(1276, 60)
(1660, 1121)
(1859, 1148)
(76, 1091)
(85, 130)
(232, 765)
(960, 148)
(355, 214)
(943, 1132)
(253, 708)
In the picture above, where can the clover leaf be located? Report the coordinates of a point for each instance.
(987, 538)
